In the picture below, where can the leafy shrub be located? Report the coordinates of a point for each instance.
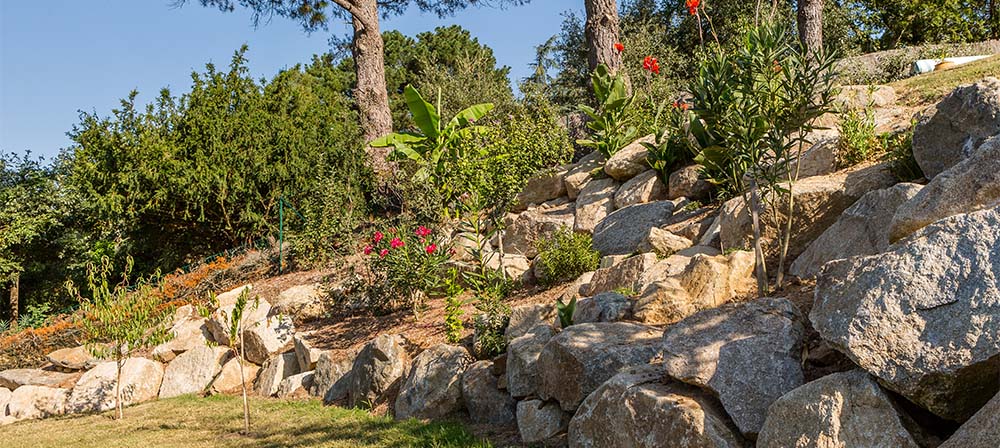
(858, 140)
(610, 122)
(899, 154)
(566, 255)
(403, 266)
(490, 325)
(671, 146)
(453, 324)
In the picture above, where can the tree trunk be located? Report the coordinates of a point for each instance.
(118, 390)
(811, 24)
(994, 20)
(602, 34)
(371, 94)
(14, 300)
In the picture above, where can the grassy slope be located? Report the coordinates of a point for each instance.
(192, 422)
(930, 87)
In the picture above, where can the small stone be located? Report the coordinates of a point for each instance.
(539, 421)
(296, 386)
(629, 161)
(688, 183)
(274, 371)
(646, 187)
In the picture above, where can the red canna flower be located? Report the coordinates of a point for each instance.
(378, 237)
(692, 6)
(685, 106)
(431, 248)
(382, 253)
(396, 243)
(677, 105)
(619, 47)
(651, 64)
(368, 249)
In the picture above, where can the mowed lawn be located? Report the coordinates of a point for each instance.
(217, 421)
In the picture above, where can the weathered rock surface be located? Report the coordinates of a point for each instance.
(863, 229)
(582, 357)
(646, 187)
(545, 187)
(38, 402)
(305, 353)
(95, 391)
(526, 229)
(604, 307)
(746, 354)
(972, 184)
(274, 371)
(691, 224)
(623, 231)
(433, 388)
(229, 381)
(332, 377)
(627, 274)
(539, 421)
(951, 130)
(629, 161)
(484, 400)
(981, 431)
(922, 316)
(256, 311)
(74, 358)
(663, 242)
(189, 330)
(523, 318)
(379, 366)
(819, 159)
(296, 386)
(581, 173)
(523, 375)
(595, 202)
(302, 301)
(191, 372)
(4, 398)
(15, 378)
(268, 337)
(706, 282)
(640, 408)
(687, 183)
(839, 410)
(229, 297)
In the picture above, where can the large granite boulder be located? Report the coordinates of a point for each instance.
(629, 161)
(15, 378)
(595, 202)
(863, 229)
(582, 172)
(306, 353)
(688, 183)
(523, 231)
(332, 376)
(192, 371)
(706, 281)
(579, 359)
(623, 231)
(523, 318)
(230, 380)
(523, 376)
(95, 392)
(972, 184)
(30, 402)
(268, 337)
(302, 301)
(378, 368)
(846, 409)
(981, 431)
(604, 307)
(433, 388)
(540, 421)
(484, 400)
(640, 408)
(255, 311)
(627, 274)
(922, 316)
(951, 130)
(542, 188)
(746, 354)
(274, 371)
(646, 187)
(663, 242)
(73, 358)
(296, 386)
(189, 330)
(820, 158)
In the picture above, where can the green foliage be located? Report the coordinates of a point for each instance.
(565, 311)
(899, 153)
(478, 229)
(671, 146)
(565, 256)
(236, 326)
(490, 325)
(403, 266)
(453, 303)
(609, 122)
(858, 140)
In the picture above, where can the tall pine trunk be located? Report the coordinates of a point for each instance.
(602, 34)
(810, 23)
(371, 94)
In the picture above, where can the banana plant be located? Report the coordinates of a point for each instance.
(432, 147)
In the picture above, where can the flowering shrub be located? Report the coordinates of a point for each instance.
(403, 266)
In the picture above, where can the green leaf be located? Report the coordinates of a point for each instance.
(470, 115)
(424, 114)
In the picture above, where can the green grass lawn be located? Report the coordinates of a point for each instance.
(931, 87)
(217, 421)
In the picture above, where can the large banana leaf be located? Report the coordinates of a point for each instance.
(424, 114)
(396, 138)
(470, 115)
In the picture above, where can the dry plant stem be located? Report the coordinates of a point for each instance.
(787, 237)
(761, 269)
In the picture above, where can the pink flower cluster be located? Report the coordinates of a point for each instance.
(397, 242)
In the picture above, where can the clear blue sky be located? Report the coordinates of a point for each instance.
(61, 56)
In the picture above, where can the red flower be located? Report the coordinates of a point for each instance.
(368, 249)
(382, 253)
(423, 231)
(651, 64)
(692, 6)
(431, 248)
(396, 243)
(681, 105)
(684, 106)
(378, 236)
(619, 46)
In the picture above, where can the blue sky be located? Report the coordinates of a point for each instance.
(61, 56)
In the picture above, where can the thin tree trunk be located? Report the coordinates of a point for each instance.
(118, 390)
(810, 23)
(758, 251)
(243, 383)
(602, 34)
(14, 300)
(371, 94)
